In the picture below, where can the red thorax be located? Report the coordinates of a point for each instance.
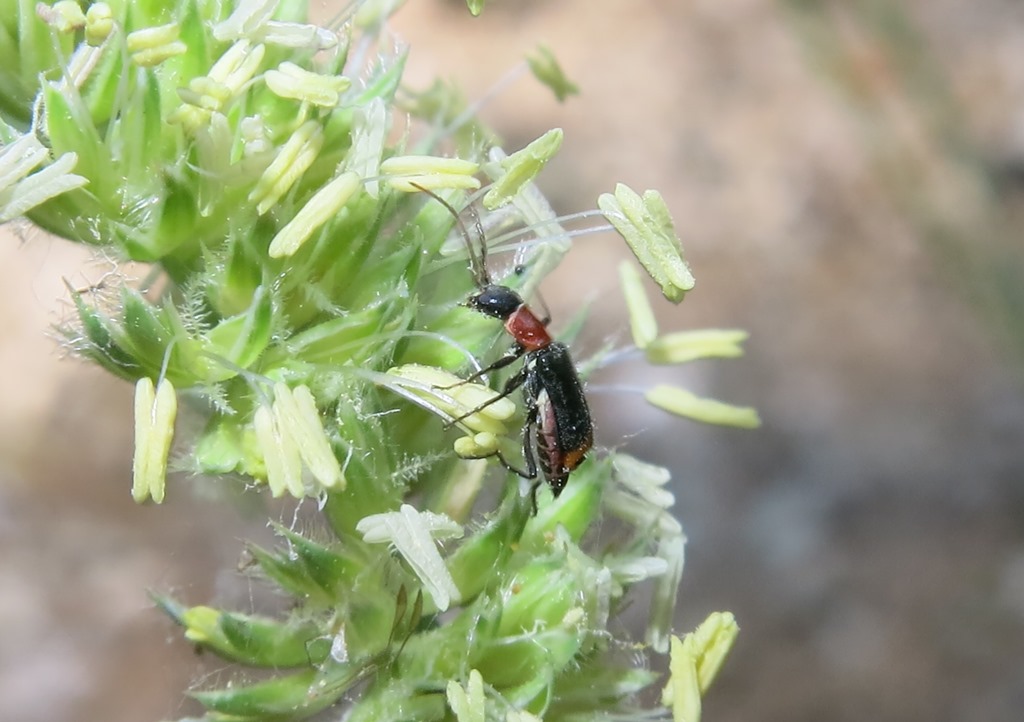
(528, 330)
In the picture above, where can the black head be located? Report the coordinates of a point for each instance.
(493, 300)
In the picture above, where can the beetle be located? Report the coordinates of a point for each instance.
(558, 425)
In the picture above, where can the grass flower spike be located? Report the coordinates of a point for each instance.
(21, 190)
(682, 347)
(308, 299)
(154, 431)
(695, 661)
(646, 225)
(522, 167)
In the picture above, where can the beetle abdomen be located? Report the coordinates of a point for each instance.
(565, 432)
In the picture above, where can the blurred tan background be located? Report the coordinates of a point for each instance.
(847, 178)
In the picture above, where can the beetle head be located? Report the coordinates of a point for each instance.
(494, 300)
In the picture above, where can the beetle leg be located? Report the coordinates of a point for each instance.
(514, 354)
(526, 474)
(513, 383)
(528, 457)
(519, 271)
(529, 428)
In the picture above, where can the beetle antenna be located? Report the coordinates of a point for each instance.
(519, 271)
(479, 227)
(478, 263)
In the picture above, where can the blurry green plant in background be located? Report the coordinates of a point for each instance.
(304, 295)
(921, 151)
